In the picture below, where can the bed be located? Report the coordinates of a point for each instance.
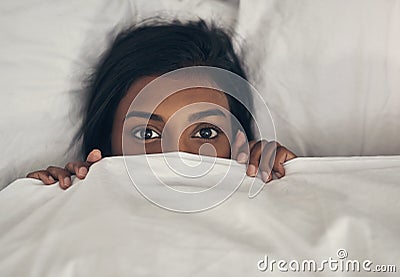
(328, 71)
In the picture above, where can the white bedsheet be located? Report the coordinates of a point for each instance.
(102, 226)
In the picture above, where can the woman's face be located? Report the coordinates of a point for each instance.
(190, 120)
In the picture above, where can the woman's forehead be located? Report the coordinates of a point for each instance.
(173, 100)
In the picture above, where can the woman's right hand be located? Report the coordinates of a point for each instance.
(53, 174)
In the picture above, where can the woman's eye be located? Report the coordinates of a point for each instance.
(206, 133)
(145, 133)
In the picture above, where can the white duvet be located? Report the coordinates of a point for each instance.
(102, 226)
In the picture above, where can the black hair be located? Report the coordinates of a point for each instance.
(153, 48)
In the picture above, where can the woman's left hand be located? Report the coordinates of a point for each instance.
(265, 156)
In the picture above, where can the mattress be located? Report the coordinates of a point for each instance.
(341, 208)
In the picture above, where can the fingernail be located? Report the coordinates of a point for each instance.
(67, 182)
(278, 175)
(51, 179)
(237, 134)
(240, 138)
(242, 158)
(95, 154)
(82, 171)
(265, 176)
(252, 171)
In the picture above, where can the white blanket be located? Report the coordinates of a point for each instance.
(102, 226)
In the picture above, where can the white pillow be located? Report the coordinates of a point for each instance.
(329, 71)
(47, 48)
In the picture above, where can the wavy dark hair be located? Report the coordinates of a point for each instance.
(154, 47)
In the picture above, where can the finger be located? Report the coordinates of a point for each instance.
(267, 160)
(94, 156)
(244, 151)
(254, 159)
(34, 175)
(80, 169)
(240, 140)
(42, 175)
(282, 155)
(62, 175)
(46, 178)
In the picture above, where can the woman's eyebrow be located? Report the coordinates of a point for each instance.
(145, 115)
(199, 115)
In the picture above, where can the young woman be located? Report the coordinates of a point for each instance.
(138, 56)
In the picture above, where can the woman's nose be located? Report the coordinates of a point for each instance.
(170, 142)
(173, 143)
